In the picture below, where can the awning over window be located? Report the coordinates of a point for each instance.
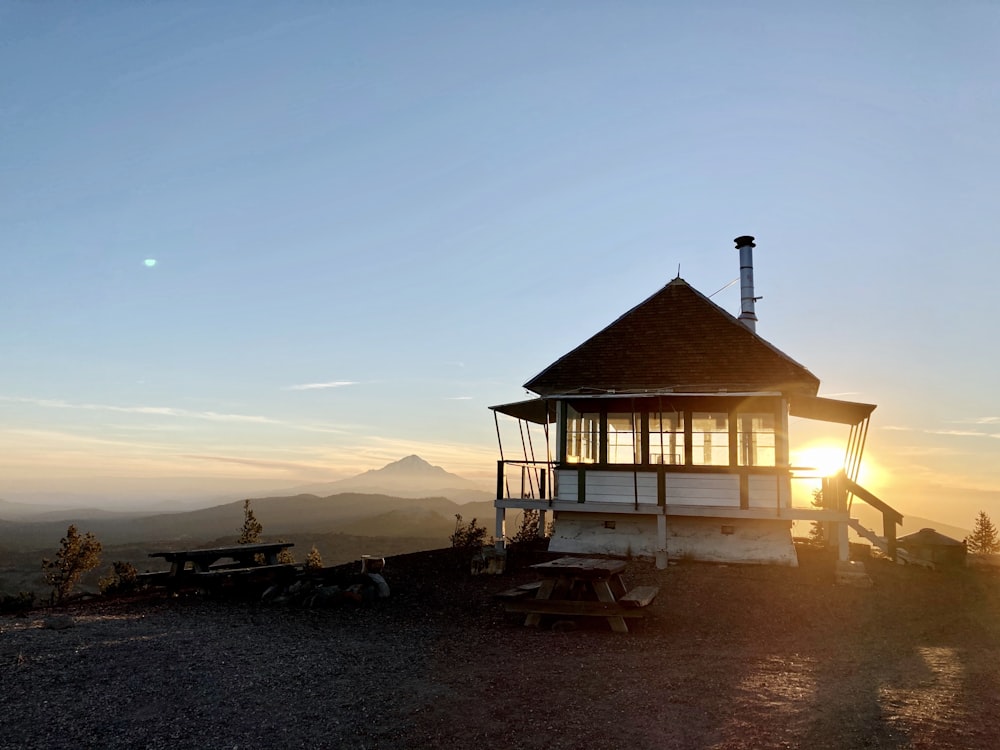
(537, 410)
(830, 410)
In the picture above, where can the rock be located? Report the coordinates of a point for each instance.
(58, 622)
(380, 585)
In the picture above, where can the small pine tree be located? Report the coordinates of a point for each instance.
(252, 528)
(314, 560)
(285, 557)
(817, 531)
(77, 554)
(983, 539)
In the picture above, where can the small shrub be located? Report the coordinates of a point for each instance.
(77, 554)
(467, 536)
(528, 530)
(122, 579)
(314, 560)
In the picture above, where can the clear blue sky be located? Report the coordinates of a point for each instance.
(421, 205)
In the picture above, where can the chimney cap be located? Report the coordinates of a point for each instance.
(743, 241)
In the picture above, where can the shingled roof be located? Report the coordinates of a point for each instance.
(677, 340)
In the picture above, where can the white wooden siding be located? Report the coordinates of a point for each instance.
(715, 490)
(765, 491)
(609, 486)
(711, 490)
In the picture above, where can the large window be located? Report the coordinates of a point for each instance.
(624, 438)
(666, 438)
(710, 438)
(583, 436)
(704, 431)
(755, 438)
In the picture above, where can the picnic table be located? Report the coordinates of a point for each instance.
(204, 565)
(584, 587)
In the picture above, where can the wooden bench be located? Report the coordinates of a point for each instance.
(152, 578)
(519, 592)
(572, 608)
(249, 571)
(640, 596)
(581, 587)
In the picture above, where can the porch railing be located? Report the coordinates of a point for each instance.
(524, 480)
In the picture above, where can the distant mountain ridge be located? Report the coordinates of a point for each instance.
(406, 498)
(411, 476)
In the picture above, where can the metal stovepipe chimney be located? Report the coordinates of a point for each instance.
(747, 317)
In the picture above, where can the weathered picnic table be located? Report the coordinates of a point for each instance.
(586, 587)
(204, 565)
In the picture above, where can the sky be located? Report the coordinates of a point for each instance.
(274, 243)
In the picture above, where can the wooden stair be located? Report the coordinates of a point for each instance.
(880, 542)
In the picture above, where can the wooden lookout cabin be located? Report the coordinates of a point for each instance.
(666, 436)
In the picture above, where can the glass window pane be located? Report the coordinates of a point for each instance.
(756, 439)
(624, 439)
(710, 438)
(583, 434)
(666, 438)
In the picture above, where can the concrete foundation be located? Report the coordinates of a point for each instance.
(724, 540)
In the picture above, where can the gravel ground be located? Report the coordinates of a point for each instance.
(728, 657)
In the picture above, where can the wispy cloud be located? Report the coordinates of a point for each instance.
(979, 420)
(158, 411)
(458, 398)
(320, 386)
(255, 462)
(53, 437)
(961, 433)
(945, 432)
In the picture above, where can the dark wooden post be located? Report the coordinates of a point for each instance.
(889, 531)
(499, 480)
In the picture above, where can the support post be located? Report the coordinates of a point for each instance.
(541, 524)
(501, 529)
(843, 546)
(889, 532)
(661, 541)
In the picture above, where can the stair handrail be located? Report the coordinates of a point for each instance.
(890, 516)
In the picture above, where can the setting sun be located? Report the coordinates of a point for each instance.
(823, 459)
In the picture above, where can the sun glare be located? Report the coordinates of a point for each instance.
(822, 459)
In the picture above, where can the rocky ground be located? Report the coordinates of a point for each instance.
(728, 657)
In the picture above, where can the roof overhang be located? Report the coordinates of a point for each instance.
(830, 410)
(537, 410)
(543, 410)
